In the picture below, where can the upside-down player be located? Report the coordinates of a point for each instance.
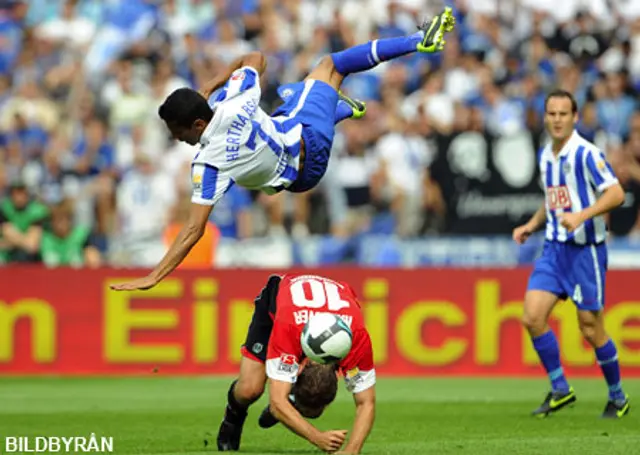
(580, 189)
(240, 144)
(297, 387)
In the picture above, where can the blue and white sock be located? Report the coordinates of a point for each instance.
(366, 56)
(607, 356)
(546, 346)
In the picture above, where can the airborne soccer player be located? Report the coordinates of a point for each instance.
(239, 144)
(580, 188)
(300, 388)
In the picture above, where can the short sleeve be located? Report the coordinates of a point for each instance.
(208, 183)
(358, 368)
(600, 170)
(243, 83)
(283, 353)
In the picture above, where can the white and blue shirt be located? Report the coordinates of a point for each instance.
(243, 145)
(573, 180)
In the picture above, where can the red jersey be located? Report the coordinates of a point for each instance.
(299, 298)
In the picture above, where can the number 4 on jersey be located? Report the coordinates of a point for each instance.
(577, 294)
(322, 293)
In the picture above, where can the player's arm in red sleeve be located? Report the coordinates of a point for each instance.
(255, 60)
(282, 367)
(361, 380)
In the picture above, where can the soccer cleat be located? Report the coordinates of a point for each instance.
(230, 430)
(229, 436)
(359, 107)
(434, 31)
(555, 401)
(616, 409)
(266, 419)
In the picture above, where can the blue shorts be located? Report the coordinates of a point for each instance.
(574, 271)
(313, 104)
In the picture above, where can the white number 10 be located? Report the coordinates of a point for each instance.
(321, 293)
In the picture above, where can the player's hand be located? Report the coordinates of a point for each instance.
(571, 221)
(522, 233)
(140, 284)
(331, 441)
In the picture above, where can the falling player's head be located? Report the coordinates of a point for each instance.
(560, 114)
(186, 113)
(315, 388)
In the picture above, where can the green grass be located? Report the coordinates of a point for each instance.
(415, 416)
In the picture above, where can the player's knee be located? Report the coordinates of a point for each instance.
(326, 64)
(249, 389)
(327, 72)
(591, 332)
(534, 323)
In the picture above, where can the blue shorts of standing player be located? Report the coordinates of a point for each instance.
(572, 271)
(580, 188)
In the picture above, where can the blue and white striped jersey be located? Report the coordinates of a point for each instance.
(573, 180)
(242, 144)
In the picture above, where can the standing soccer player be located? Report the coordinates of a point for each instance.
(580, 189)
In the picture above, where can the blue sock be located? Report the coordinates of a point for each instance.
(365, 56)
(547, 347)
(607, 356)
(343, 111)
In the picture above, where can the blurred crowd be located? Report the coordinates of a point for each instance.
(90, 176)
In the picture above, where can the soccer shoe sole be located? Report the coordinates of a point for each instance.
(434, 31)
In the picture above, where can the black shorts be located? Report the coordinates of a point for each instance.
(255, 346)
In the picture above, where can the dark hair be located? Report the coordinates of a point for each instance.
(183, 107)
(315, 388)
(559, 93)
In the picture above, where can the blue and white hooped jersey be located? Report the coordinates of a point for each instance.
(573, 180)
(243, 145)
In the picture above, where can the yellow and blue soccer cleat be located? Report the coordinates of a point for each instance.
(434, 31)
(359, 107)
(616, 409)
(555, 401)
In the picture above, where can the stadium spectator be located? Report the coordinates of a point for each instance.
(81, 81)
(21, 220)
(64, 244)
(145, 200)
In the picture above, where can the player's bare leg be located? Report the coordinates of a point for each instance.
(244, 391)
(538, 305)
(592, 328)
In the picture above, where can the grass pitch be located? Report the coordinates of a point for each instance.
(161, 415)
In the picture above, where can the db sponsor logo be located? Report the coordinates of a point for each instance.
(558, 197)
(288, 364)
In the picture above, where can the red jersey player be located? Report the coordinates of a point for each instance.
(300, 388)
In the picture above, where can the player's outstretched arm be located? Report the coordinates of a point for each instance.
(365, 415)
(281, 408)
(187, 238)
(255, 60)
